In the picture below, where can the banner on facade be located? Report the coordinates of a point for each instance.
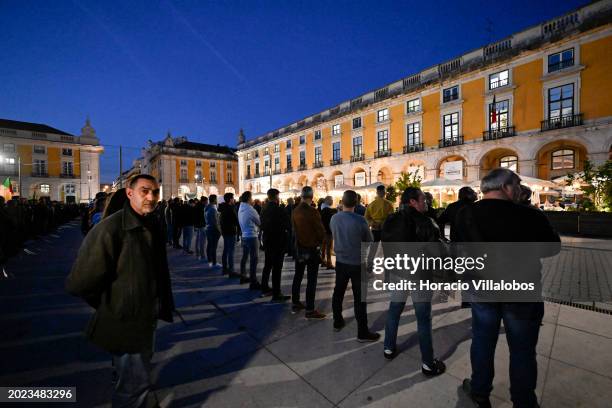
(338, 180)
(360, 179)
(453, 170)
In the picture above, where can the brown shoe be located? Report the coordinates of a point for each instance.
(315, 315)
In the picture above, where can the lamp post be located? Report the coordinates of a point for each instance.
(88, 183)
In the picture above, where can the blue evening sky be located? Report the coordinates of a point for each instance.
(203, 69)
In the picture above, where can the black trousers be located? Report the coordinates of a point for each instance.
(275, 257)
(312, 265)
(344, 273)
(176, 235)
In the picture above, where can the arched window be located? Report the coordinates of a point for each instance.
(509, 162)
(563, 159)
(69, 189)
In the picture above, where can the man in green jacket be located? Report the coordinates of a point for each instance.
(122, 271)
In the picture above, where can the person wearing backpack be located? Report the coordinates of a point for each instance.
(410, 224)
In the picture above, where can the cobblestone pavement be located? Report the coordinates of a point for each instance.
(236, 349)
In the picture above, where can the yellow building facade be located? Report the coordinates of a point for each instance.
(536, 102)
(187, 169)
(41, 161)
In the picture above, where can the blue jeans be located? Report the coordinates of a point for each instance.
(212, 235)
(422, 310)
(187, 237)
(522, 325)
(200, 243)
(227, 259)
(250, 248)
(134, 385)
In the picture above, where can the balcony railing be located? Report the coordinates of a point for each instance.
(248, 176)
(67, 175)
(382, 153)
(561, 122)
(257, 174)
(357, 158)
(335, 162)
(415, 147)
(276, 171)
(40, 174)
(266, 173)
(451, 141)
(318, 164)
(288, 169)
(500, 133)
(302, 167)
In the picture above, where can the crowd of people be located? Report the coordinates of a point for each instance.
(309, 232)
(22, 219)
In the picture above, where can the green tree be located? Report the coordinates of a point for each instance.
(598, 186)
(410, 179)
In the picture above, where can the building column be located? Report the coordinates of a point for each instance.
(528, 168)
(473, 172)
(598, 158)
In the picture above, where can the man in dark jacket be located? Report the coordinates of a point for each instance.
(228, 219)
(289, 210)
(309, 234)
(327, 211)
(198, 226)
(416, 227)
(178, 218)
(275, 227)
(499, 218)
(121, 270)
(467, 196)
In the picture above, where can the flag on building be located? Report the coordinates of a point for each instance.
(6, 189)
(493, 111)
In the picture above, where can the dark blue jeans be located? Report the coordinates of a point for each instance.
(250, 248)
(134, 385)
(227, 259)
(522, 325)
(422, 310)
(212, 236)
(187, 237)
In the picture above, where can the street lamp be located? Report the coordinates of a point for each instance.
(88, 183)
(197, 177)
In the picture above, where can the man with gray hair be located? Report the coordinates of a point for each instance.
(309, 234)
(499, 218)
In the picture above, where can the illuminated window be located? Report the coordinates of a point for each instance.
(414, 134)
(498, 79)
(509, 162)
(563, 159)
(383, 115)
(413, 105)
(383, 140)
